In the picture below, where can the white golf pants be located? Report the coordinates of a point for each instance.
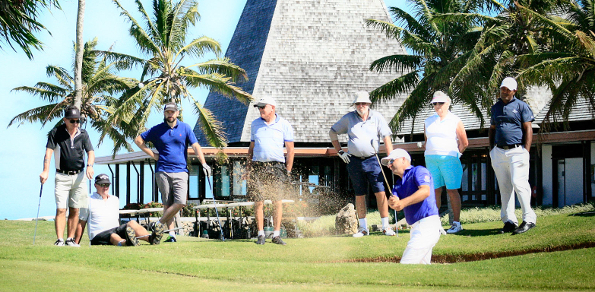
(512, 171)
(425, 233)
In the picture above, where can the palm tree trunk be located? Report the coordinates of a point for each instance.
(79, 55)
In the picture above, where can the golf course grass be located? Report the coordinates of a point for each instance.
(557, 255)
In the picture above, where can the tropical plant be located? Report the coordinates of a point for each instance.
(567, 64)
(438, 49)
(164, 78)
(99, 86)
(504, 38)
(18, 22)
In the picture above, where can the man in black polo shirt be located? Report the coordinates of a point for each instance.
(511, 134)
(69, 143)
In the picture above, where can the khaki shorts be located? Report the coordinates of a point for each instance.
(173, 187)
(71, 190)
(268, 181)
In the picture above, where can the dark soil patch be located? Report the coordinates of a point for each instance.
(449, 259)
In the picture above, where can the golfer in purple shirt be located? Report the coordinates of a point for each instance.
(412, 193)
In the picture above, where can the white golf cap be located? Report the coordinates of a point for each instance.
(396, 153)
(440, 96)
(362, 96)
(509, 83)
(265, 100)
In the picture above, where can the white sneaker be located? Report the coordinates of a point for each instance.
(456, 227)
(442, 231)
(388, 231)
(70, 242)
(361, 232)
(59, 242)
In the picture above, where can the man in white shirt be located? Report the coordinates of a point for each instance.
(102, 214)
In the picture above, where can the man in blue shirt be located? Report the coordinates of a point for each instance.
(171, 138)
(511, 133)
(413, 192)
(364, 128)
(269, 169)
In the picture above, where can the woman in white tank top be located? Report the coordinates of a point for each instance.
(446, 140)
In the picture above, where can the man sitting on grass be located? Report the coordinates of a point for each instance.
(103, 217)
(413, 193)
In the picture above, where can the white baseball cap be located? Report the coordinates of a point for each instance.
(509, 83)
(440, 96)
(264, 101)
(396, 153)
(362, 96)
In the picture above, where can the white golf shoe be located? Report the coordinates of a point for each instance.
(362, 232)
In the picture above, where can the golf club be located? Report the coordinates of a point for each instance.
(36, 218)
(216, 211)
(386, 181)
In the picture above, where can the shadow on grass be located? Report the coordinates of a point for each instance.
(477, 232)
(450, 259)
(584, 214)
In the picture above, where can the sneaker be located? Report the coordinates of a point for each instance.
(388, 231)
(171, 239)
(157, 233)
(442, 231)
(131, 237)
(454, 228)
(70, 242)
(260, 239)
(59, 242)
(508, 227)
(362, 232)
(278, 240)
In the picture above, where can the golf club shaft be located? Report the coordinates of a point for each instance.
(216, 211)
(37, 218)
(381, 169)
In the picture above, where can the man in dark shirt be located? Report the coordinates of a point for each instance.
(511, 134)
(68, 142)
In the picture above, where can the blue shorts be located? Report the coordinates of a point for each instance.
(364, 171)
(446, 170)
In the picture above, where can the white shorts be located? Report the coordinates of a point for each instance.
(425, 233)
(70, 191)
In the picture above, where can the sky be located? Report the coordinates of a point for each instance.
(22, 155)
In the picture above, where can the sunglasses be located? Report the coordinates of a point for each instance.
(390, 162)
(104, 185)
(440, 103)
(361, 103)
(73, 121)
(261, 107)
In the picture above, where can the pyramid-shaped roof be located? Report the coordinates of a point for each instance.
(311, 56)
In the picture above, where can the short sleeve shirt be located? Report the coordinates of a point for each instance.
(172, 144)
(508, 119)
(269, 139)
(69, 154)
(101, 215)
(363, 136)
(414, 177)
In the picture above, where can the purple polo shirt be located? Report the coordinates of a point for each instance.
(414, 177)
(172, 144)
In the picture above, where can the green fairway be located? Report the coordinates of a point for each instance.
(324, 263)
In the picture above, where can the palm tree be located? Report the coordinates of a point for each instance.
(99, 86)
(439, 49)
(164, 78)
(78, 55)
(18, 22)
(505, 37)
(566, 64)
